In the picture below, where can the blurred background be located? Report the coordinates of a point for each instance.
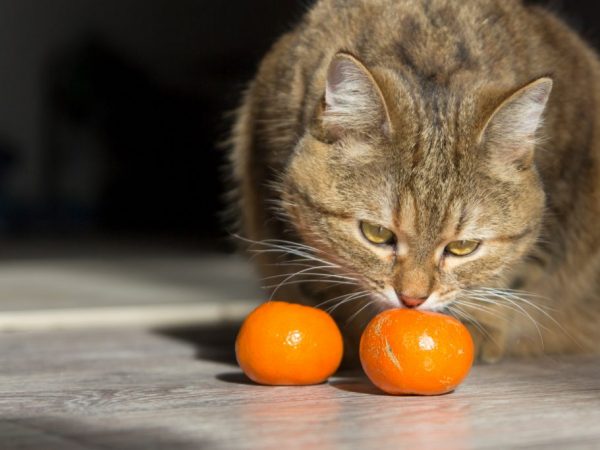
(110, 115)
(110, 111)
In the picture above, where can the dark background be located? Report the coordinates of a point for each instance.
(110, 111)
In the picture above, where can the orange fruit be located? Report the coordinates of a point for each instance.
(283, 343)
(405, 351)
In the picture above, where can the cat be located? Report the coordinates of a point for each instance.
(433, 154)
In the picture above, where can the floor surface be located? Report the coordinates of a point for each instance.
(134, 350)
(180, 389)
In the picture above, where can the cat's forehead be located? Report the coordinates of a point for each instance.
(426, 204)
(435, 129)
(426, 171)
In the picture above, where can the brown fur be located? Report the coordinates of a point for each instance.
(433, 151)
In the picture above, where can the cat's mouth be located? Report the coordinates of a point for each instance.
(389, 299)
(436, 301)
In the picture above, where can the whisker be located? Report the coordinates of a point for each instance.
(289, 277)
(537, 325)
(313, 280)
(469, 318)
(339, 297)
(478, 307)
(294, 262)
(493, 302)
(514, 296)
(303, 254)
(369, 303)
(523, 310)
(289, 246)
(323, 275)
(292, 244)
(280, 243)
(514, 292)
(349, 299)
(307, 270)
(289, 262)
(542, 311)
(292, 252)
(513, 306)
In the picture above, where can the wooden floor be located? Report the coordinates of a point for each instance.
(180, 389)
(163, 375)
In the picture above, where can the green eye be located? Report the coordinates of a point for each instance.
(461, 248)
(376, 234)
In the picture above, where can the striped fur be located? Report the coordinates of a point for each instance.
(440, 120)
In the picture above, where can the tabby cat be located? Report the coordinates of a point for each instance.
(432, 154)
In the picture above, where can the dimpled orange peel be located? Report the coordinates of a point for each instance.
(406, 351)
(283, 343)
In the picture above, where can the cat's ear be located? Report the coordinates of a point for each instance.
(353, 100)
(510, 132)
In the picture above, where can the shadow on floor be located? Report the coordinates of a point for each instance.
(213, 342)
(357, 385)
(235, 378)
(67, 433)
(352, 383)
(216, 342)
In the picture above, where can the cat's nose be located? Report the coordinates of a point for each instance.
(411, 302)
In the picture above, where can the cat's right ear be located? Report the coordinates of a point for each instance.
(353, 100)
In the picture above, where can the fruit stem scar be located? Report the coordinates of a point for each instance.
(391, 356)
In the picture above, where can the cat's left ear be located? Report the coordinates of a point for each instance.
(510, 132)
(353, 100)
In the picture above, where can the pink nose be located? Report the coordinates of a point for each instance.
(412, 302)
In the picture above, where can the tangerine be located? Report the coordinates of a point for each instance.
(283, 343)
(406, 351)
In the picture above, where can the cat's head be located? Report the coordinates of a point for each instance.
(420, 190)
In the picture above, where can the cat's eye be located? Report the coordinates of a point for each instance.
(461, 248)
(376, 234)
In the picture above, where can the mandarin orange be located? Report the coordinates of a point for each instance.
(406, 351)
(283, 343)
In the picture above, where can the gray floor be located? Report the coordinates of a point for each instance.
(73, 285)
(180, 389)
(93, 274)
(129, 350)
